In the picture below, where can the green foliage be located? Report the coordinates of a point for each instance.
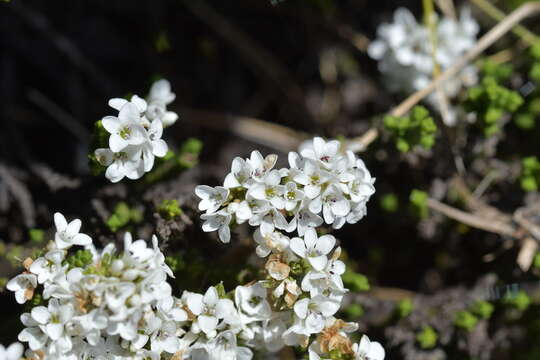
(389, 202)
(418, 200)
(482, 309)
(465, 320)
(490, 100)
(416, 129)
(520, 301)
(37, 236)
(536, 262)
(3, 282)
(530, 173)
(15, 255)
(404, 307)
(427, 338)
(100, 139)
(169, 209)
(354, 311)
(517, 3)
(221, 290)
(174, 163)
(80, 259)
(176, 262)
(354, 281)
(122, 216)
(336, 354)
(500, 72)
(37, 300)
(162, 43)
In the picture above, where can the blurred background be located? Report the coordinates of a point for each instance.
(300, 66)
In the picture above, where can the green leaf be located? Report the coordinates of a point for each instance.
(427, 338)
(465, 320)
(404, 307)
(354, 281)
(36, 235)
(483, 309)
(389, 202)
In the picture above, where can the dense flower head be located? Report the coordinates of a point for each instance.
(303, 289)
(117, 304)
(135, 133)
(405, 54)
(322, 184)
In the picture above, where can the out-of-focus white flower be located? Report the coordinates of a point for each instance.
(405, 55)
(12, 352)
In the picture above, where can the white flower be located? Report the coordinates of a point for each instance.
(209, 309)
(218, 221)
(260, 165)
(12, 352)
(269, 189)
(23, 286)
(154, 145)
(68, 235)
(160, 96)
(273, 241)
(332, 203)
(118, 103)
(368, 350)
(313, 178)
(125, 163)
(313, 249)
(293, 196)
(212, 197)
(329, 279)
(252, 301)
(45, 323)
(303, 220)
(165, 339)
(47, 267)
(223, 347)
(314, 311)
(269, 220)
(126, 129)
(325, 152)
(240, 174)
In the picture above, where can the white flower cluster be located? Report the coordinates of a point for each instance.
(110, 304)
(97, 304)
(405, 53)
(321, 180)
(135, 133)
(303, 290)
